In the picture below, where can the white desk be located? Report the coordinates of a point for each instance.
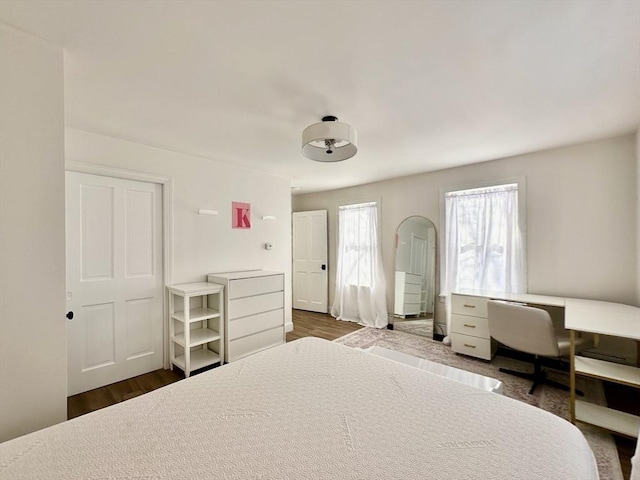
(590, 316)
(605, 318)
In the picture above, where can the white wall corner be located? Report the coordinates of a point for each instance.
(33, 387)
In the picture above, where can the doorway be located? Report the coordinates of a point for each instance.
(310, 275)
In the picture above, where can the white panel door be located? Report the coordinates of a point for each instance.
(114, 279)
(418, 266)
(310, 278)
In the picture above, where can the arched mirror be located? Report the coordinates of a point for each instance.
(415, 276)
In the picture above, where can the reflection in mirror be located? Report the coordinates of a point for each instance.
(415, 276)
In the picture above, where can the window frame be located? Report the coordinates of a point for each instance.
(376, 201)
(522, 220)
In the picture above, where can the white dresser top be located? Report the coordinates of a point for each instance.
(244, 274)
(516, 297)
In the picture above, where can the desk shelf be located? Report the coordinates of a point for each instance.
(613, 372)
(613, 420)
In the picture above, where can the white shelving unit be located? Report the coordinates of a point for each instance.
(607, 319)
(197, 331)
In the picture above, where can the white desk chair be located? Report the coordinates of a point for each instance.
(530, 330)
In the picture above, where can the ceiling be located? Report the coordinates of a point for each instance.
(428, 85)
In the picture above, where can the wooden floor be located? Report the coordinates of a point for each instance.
(119, 392)
(309, 324)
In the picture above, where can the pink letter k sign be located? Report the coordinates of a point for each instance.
(240, 215)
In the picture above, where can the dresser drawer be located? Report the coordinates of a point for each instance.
(411, 298)
(469, 305)
(413, 288)
(474, 346)
(467, 325)
(246, 287)
(410, 309)
(244, 326)
(413, 279)
(241, 347)
(242, 307)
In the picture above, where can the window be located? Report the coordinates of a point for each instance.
(483, 244)
(358, 238)
(360, 284)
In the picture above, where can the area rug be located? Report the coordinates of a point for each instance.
(546, 397)
(415, 327)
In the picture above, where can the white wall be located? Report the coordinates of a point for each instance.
(581, 215)
(206, 244)
(638, 217)
(33, 355)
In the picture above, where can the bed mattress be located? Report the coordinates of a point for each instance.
(307, 409)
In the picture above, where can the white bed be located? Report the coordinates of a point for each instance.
(307, 409)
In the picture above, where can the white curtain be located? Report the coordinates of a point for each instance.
(360, 285)
(483, 249)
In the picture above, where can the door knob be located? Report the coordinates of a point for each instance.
(70, 315)
(323, 267)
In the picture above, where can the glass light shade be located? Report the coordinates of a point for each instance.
(314, 136)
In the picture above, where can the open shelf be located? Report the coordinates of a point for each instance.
(613, 372)
(197, 314)
(613, 420)
(199, 359)
(197, 337)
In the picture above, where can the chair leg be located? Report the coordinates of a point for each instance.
(539, 377)
(516, 373)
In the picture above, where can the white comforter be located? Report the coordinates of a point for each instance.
(307, 409)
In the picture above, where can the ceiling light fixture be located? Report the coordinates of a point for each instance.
(329, 140)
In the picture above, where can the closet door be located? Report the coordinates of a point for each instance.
(114, 279)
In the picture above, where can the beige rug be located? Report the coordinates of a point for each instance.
(548, 398)
(415, 327)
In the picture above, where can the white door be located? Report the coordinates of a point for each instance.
(430, 274)
(418, 266)
(114, 279)
(310, 278)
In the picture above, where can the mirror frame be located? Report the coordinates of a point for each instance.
(393, 316)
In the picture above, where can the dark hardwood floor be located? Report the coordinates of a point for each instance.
(309, 324)
(119, 392)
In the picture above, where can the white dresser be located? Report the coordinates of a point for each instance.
(407, 294)
(470, 327)
(254, 311)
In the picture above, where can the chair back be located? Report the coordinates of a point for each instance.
(523, 328)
